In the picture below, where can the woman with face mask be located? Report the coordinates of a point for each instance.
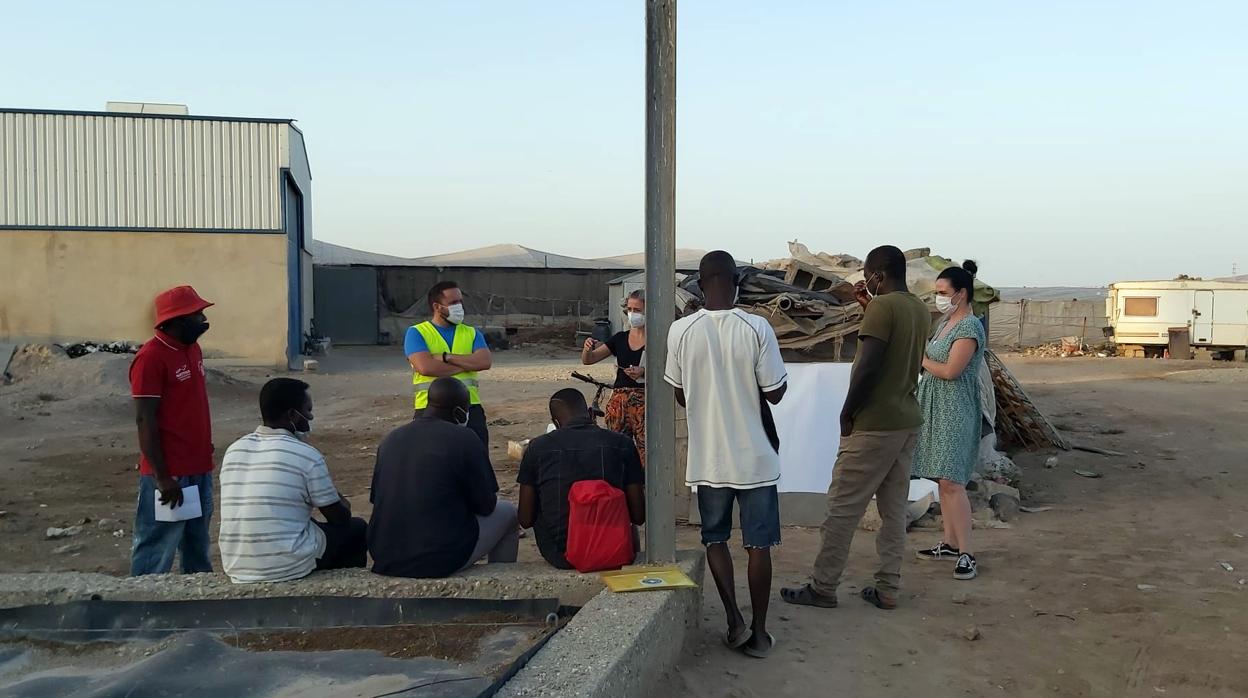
(626, 411)
(949, 398)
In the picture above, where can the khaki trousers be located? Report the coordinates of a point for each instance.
(869, 463)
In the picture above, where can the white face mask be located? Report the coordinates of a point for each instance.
(867, 286)
(945, 304)
(455, 313)
(636, 319)
(302, 435)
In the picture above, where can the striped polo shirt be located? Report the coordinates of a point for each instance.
(270, 483)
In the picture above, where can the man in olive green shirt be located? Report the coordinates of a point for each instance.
(879, 429)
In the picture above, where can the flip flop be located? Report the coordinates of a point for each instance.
(872, 596)
(760, 654)
(742, 637)
(805, 595)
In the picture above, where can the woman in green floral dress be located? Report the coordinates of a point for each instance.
(949, 398)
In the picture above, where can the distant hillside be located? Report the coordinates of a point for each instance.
(1050, 293)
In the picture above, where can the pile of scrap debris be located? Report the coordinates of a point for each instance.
(1019, 422)
(1066, 348)
(809, 301)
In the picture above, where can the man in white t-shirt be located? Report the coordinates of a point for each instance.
(271, 480)
(723, 363)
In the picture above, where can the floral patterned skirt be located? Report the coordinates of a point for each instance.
(626, 413)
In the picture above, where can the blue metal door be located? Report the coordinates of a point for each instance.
(293, 215)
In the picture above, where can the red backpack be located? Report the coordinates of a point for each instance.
(600, 532)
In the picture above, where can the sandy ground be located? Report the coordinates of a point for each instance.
(1118, 590)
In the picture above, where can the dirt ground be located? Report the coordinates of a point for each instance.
(1118, 590)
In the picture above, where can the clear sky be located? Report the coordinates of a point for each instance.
(1060, 142)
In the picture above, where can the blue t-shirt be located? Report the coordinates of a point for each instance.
(413, 342)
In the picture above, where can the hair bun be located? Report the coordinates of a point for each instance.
(970, 266)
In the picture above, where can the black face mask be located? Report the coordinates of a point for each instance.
(198, 329)
(188, 331)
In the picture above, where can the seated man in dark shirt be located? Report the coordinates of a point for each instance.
(435, 507)
(577, 450)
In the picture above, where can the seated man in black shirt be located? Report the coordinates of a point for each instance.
(577, 450)
(435, 507)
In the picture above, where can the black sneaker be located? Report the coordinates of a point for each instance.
(944, 551)
(965, 568)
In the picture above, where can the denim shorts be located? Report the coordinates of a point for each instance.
(760, 515)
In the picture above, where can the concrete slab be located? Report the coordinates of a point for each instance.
(496, 581)
(618, 645)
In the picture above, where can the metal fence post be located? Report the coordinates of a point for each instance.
(660, 277)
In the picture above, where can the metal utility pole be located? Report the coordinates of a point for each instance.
(660, 277)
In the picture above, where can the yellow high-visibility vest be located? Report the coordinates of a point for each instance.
(461, 344)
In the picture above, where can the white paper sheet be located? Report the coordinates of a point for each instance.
(189, 509)
(808, 421)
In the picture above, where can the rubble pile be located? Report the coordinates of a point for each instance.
(808, 298)
(812, 321)
(1066, 348)
(83, 348)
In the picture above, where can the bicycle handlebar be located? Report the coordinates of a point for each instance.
(591, 381)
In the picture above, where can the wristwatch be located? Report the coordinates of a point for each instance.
(443, 357)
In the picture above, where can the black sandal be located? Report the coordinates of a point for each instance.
(760, 654)
(735, 643)
(807, 596)
(872, 596)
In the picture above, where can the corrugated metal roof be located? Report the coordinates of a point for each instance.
(509, 256)
(496, 256)
(1050, 293)
(188, 117)
(515, 257)
(686, 259)
(103, 170)
(328, 254)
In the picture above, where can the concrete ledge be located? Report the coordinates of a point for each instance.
(617, 645)
(496, 581)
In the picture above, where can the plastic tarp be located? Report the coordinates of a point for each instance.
(1033, 323)
(199, 664)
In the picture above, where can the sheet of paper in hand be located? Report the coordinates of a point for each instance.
(189, 509)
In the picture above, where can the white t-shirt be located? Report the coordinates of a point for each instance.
(722, 359)
(270, 482)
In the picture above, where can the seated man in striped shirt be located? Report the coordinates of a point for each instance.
(271, 480)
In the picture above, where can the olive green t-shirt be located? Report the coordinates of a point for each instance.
(903, 322)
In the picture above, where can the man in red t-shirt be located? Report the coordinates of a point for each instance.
(175, 436)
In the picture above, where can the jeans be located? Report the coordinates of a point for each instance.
(759, 515)
(156, 542)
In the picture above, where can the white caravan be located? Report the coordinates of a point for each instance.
(1214, 312)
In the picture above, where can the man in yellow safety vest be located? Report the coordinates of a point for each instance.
(445, 346)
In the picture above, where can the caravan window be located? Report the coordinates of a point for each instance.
(1139, 307)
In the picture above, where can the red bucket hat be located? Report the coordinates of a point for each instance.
(178, 301)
